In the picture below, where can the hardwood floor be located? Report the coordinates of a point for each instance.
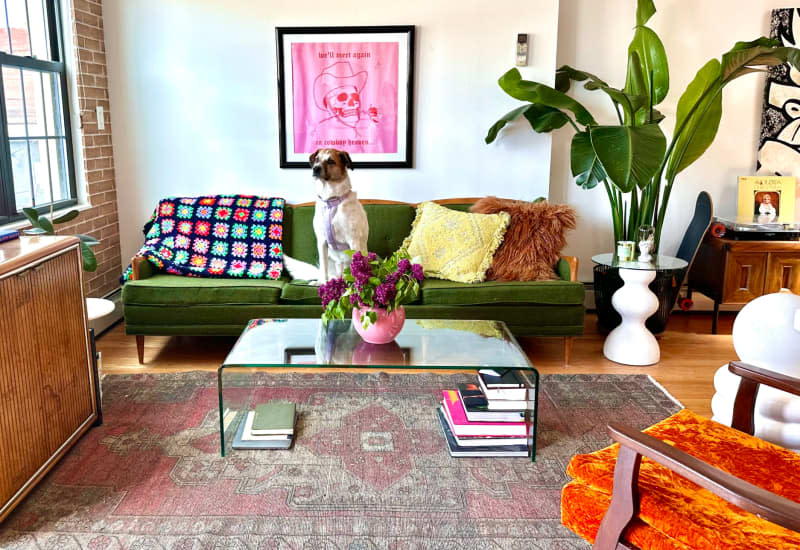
(689, 355)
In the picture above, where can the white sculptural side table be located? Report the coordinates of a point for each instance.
(631, 343)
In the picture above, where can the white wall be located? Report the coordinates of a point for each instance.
(594, 36)
(194, 106)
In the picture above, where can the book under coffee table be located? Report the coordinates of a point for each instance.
(422, 345)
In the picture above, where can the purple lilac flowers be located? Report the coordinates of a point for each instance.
(332, 291)
(385, 293)
(360, 269)
(371, 282)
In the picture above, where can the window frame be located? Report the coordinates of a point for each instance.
(57, 68)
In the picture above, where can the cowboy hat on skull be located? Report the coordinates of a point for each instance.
(338, 75)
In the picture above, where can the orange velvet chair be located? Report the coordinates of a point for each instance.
(688, 483)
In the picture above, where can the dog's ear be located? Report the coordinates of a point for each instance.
(345, 156)
(313, 156)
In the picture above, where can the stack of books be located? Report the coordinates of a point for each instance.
(487, 418)
(269, 426)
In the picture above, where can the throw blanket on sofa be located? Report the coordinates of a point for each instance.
(216, 236)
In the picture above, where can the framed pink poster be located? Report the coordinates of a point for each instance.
(347, 88)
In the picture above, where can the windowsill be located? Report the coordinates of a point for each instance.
(25, 223)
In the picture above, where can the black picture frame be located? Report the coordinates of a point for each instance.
(403, 158)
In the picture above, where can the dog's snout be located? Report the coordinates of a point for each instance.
(316, 169)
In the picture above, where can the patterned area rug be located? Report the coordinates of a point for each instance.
(369, 468)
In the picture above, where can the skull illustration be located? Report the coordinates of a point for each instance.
(345, 104)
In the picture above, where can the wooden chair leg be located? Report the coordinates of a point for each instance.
(140, 347)
(568, 350)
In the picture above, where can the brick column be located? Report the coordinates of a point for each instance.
(101, 220)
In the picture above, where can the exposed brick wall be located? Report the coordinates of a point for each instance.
(101, 220)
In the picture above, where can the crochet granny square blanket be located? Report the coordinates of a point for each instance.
(216, 236)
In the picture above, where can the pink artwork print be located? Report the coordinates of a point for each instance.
(344, 96)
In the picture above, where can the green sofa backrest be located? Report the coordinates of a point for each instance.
(389, 225)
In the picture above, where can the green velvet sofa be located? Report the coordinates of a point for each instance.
(161, 304)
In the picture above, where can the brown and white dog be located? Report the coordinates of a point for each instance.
(340, 222)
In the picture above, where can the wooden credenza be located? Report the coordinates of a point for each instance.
(734, 272)
(48, 383)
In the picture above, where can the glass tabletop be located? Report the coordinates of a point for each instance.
(658, 262)
(423, 343)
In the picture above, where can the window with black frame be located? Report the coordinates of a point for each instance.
(36, 167)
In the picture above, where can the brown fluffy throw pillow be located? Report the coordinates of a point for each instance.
(533, 241)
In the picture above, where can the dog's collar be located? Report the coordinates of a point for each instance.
(333, 202)
(331, 205)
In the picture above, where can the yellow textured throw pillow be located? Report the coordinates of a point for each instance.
(456, 246)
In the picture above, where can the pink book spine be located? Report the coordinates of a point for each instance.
(459, 416)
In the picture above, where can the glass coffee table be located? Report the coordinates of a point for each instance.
(423, 344)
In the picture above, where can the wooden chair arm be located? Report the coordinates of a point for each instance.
(624, 505)
(744, 406)
(572, 261)
(768, 377)
(136, 268)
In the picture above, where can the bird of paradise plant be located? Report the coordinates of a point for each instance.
(633, 160)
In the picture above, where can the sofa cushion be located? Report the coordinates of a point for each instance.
(163, 289)
(533, 241)
(300, 292)
(439, 292)
(676, 507)
(456, 246)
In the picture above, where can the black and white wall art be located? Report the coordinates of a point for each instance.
(779, 146)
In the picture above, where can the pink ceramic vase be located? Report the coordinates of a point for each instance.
(382, 331)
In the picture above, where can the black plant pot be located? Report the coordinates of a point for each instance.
(607, 281)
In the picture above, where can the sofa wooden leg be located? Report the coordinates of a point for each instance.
(140, 348)
(568, 350)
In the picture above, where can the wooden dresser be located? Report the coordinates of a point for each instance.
(48, 383)
(734, 272)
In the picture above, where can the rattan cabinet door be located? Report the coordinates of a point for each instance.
(46, 385)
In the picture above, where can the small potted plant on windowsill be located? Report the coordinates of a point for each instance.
(372, 291)
(41, 225)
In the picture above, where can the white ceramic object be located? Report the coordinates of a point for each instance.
(766, 333)
(98, 307)
(644, 251)
(631, 343)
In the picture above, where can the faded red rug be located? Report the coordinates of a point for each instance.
(369, 469)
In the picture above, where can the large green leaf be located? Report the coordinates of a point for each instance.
(544, 119)
(630, 156)
(740, 61)
(32, 215)
(630, 102)
(68, 217)
(644, 11)
(535, 92)
(541, 118)
(45, 224)
(585, 165)
(653, 62)
(87, 239)
(697, 118)
(89, 259)
(505, 119)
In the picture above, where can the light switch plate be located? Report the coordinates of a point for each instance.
(101, 120)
